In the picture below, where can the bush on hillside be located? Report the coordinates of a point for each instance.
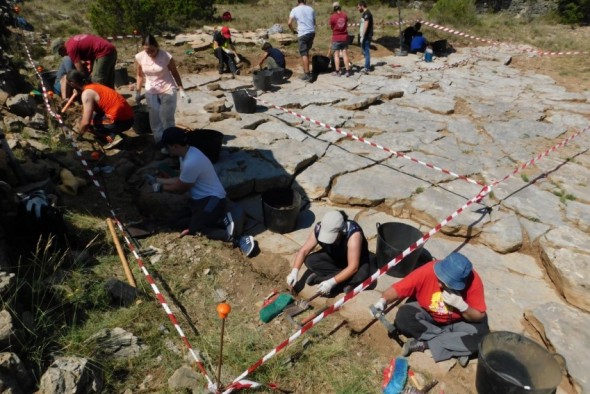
(574, 11)
(110, 17)
(457, 13)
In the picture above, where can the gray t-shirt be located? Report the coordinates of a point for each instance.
(197, 169)
(304, 15)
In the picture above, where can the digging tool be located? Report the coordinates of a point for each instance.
(306, 319)
(223, 310)
(300, 306)
(70, 101)
(392, 331)
(122, 257)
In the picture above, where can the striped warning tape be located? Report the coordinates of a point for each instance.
(131, 246)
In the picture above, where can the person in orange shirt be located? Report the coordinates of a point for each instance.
(105, 113)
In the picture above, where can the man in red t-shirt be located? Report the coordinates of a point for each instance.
(448, 311)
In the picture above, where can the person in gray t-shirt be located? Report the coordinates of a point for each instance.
(304, 15)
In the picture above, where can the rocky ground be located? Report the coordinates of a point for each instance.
(481, 119)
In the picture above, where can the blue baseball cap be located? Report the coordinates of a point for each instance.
(453, 270)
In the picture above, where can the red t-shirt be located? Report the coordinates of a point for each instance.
(338, 23)
(423, 285)
(88, 47)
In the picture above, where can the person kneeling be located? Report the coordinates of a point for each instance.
(343, 261)
(449, 314)
(206, 210)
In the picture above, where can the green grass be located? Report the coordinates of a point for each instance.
(524, 177)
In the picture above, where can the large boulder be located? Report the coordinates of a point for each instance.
(71, 375)
(22, 105)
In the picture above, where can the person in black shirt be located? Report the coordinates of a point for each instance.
(366, 33)
(409, 33)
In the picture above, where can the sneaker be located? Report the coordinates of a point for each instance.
(411, 346)
(336, 73)
(312, 279)
(246, 244)
(463, 361)
(364, 71)
(305, 77)
(112, 142)
(228, 222)
(347, 74)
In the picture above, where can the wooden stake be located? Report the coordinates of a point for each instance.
(122, 257)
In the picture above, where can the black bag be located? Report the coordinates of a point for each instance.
(440, 47)
(320, 64)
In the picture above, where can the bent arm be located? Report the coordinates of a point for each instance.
(174, 185)
(473, 315)
(305, 250)
(290, 24)
(88, 97)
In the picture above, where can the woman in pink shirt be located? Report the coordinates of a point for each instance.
(157, 68)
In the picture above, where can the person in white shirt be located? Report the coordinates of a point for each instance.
(157, 68)
(304, 15)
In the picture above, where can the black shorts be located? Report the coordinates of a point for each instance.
(305, 43)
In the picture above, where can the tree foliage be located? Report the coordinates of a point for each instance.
(574, 11)
(109, 17)
(454, 12)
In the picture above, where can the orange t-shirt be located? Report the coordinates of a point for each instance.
(114, 106)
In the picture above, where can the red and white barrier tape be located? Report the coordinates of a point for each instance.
(348, 296)
(138, 258)
(368, 142)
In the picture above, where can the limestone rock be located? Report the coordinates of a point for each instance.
(503, 235)
(7, 329)
(11, 363)
(565, 252)
(71, 375)
(37, 121)
(118, 343)
(22, 105)
(185, 378)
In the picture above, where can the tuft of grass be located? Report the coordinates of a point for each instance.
(524, 177)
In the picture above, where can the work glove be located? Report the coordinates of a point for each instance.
(185, 97)
(455, 300)
(292, 277)
(326, 286)
(137, 96)
(156, 187)
(380, 305)
(237, 59)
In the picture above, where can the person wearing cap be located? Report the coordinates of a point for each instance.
(206, 211)
(225, 51)
(304, 15)
(339, 26)
(105, 113)
(343, 261)
(448, 315)
(82, 48)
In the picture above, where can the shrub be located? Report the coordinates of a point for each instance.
(154, 16)
(574, 11)
(454, 12)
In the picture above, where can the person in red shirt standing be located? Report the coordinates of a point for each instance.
(105, 113)
(339, 23)
(448, 311)
(101, 54)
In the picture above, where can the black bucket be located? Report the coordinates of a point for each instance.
(261, 79)
(392, 239)
(277, 76)
(121, 77)
(141, 119)
(243, 103)
(207, 141)
(320, 64)
(510, 363)
(280, 208)
(48, 78)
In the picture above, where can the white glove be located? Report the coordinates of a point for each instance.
(237, 59)
(381, 304)
(292, 277)
(137, 96)
(326, 286)
(156, 187)
(455, 300)
(212, 387)
(185, 97)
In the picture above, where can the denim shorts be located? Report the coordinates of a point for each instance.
(339, 45)
(305, 43)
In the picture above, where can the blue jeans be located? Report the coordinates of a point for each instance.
(366, 47)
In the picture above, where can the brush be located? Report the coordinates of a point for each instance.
(395, 376)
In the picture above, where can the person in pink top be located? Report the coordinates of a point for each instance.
(338, 24)
(100, 53)
(157, 68)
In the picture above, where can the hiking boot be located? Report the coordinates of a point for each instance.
(228, 222)
(246, 244)
(463, 361)
(112, 142)
(413, 345)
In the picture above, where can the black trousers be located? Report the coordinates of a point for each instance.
(325, 267)
(205, 216)
(225, 59)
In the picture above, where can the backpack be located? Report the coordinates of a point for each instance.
(226, 17)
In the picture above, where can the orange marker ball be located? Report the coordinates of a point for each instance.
(95, 155)
(223, 310)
